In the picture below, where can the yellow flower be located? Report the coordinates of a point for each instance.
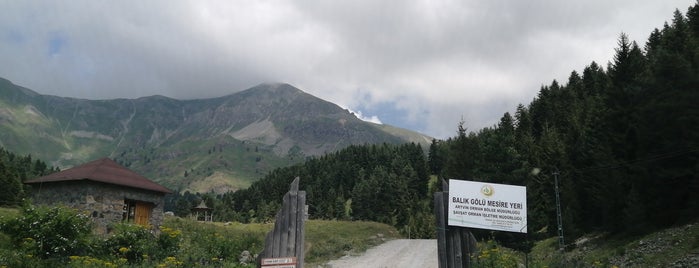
(123, 250)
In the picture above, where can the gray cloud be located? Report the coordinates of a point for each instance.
(433, 62)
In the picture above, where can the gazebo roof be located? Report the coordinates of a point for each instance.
(202, 206)
(103, 170)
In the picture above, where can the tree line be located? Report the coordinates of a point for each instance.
(384, 183)
(624, 140)
(14, 170)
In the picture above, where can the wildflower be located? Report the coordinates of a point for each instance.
(123, 250)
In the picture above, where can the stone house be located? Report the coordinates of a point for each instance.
(107, 191)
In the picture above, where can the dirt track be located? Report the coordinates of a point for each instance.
(394, 253)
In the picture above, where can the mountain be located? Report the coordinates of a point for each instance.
(201, 145)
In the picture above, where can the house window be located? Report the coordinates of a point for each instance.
(137, 212)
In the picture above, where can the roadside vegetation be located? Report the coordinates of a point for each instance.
(677, 246)
(62, 237)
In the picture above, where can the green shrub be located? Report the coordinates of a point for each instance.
(168, 242)
(138, 244)
(90, 262)
(215, 245)
(129, 241)
(49, 232)
(19, 259)
(492, 255)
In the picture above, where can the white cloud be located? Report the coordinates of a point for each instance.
(373, 119)
(434, 61)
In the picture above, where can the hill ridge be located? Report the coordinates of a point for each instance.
(266, 126)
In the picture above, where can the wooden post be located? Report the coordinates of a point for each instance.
(441, 229)
(287, 237)
(454, 244)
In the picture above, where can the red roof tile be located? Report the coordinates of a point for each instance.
(103, 170)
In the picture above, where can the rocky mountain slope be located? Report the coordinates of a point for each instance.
(215, 144)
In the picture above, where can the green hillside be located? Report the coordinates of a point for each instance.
(216, 144)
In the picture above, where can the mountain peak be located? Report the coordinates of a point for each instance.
(240, 135)
(273, 89)
(281, 100)
(275, 86)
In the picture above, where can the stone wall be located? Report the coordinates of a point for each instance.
(103, 202)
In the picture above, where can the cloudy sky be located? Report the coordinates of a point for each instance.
(423, 65)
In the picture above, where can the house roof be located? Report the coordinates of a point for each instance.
(103, 170)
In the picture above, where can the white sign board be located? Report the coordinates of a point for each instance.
(487, 205)
(284, 262)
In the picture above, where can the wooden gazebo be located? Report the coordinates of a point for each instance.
(202, 212)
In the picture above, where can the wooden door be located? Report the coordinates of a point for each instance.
(143, 211)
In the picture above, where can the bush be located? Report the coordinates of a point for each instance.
(18, 259)
(212, 245)
(137, 244)
(49, 232)
(61, 237)
(129, 241)
(90, 262)
(493, 255)
(168, 242)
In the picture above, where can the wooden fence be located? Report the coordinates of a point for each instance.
(287, 237)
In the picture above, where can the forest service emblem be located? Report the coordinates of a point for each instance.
(487, 190)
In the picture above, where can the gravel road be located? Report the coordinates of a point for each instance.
(394, 253)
